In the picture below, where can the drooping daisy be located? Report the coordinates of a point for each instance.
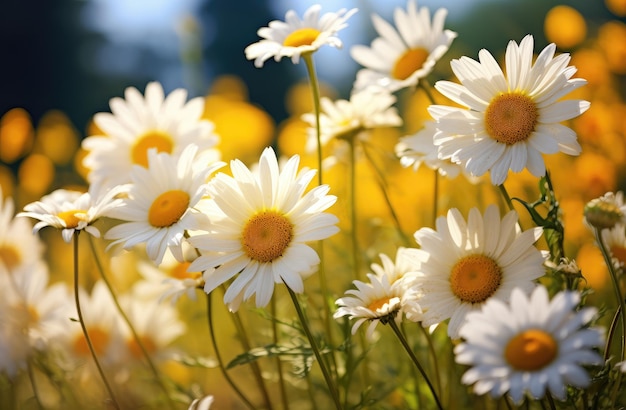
(294, 36)
(464, 264)
(512, 119)
(352, 119)
(606, 211)
(419, 148)
(19, 248)
(72, 211)
(138, 123)
(376, 301)
(403, 55)
(169, 281)
(530, 345)
(160, 203)
(260, 227)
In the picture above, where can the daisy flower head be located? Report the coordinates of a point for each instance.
(20, 250)
(260, 227)
(530, 345)
(464, 264)
(355, 118)
(403, 55)
(295, 37)
(72, 211)
(606, 212)
(138, 123)
(376, 301)
(508, 121)
(161, 203)
(203, 403)
(169, 281)
(419, 148)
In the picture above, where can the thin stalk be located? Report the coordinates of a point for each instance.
(506, 197)
(245, 343)
(620, 302)
(82, 325)
(33, 383)
(435, 197)
(416, 362)
(124, 316)
(329, 382)
(550, 400)
(279, 365)
(353, 214)
(433, 353)
(611, 332)
(218, 356)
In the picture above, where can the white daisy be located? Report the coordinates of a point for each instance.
(510, 120)
(294, 36)
(530, 345)
(419, 148)
(203, 403)
(19, 248)
(72, 211)
(138, 123)
(606, 211)
(464, 264)
(377, 301)
(343, 119)
(260, 227)
(160, 206)
(615, 241)
(401, 56)
(171, 280)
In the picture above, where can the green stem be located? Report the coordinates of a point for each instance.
(416, 362)
(82, 325)
(433, 353)
(620, 302)
(507, 198)
(124, 316)
(31, 376)
(353, 214)
(218, 356)
(279, 365)
(435, 197)
(329, 382)
(550, 400)
(245, 343)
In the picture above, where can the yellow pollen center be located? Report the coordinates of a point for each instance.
(160, 140)
(475, 278)
(301, 37)
(70, 218)
(266, 236)
(409, 62)
(99, 340)
(511, 118)
(168, 208)
(531, 350)
(377, 304)
(135, 349)
(618, 252)
(180, 272)
(9, 256)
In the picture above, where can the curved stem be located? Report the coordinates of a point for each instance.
(620, 302)
(218, 356)
(507, 198)
(329, 382)
(136, 336)
(279, 365)
(416, 362)
(84, 327)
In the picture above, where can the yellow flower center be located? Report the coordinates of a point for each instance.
(618, 252)
(511, 118)
(531, 350)
(9, 256)
(266, 236)
(135, 349)
(70, 218)
(409, 62)
(378, 304)
(180, 272)
(168, 208)
(160, 140)
(475, 278)
(301, 37)
(99, 340)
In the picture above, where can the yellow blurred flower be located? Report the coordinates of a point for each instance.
(591, 264)
(617, 7)
(35, 175)
(7, 181)
(594, 175)
(612, 39)
(56, 137)
(16, 135)
(592, 66)
(565, 26)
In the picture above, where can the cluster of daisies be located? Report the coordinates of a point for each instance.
(156, 175)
